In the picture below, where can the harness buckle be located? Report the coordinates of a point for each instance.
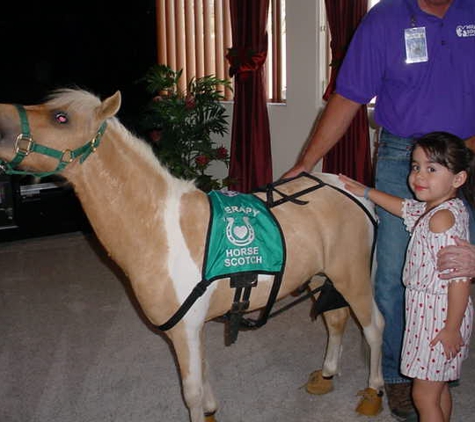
(23, 144)
(67, 156)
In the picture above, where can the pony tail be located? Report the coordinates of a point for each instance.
(468, 188)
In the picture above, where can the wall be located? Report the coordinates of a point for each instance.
(77, 60)
(99, 46)
(291, 123)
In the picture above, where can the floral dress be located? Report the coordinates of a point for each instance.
(426, 294)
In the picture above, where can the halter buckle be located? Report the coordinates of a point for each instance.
(67, 156)
(23, 144)
(94, 143)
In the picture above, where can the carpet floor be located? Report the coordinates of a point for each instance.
(74, 348)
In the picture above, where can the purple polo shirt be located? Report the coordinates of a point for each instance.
(417, 98)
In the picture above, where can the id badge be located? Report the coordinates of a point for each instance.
(416, 45)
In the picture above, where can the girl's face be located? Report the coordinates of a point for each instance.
(431, 182)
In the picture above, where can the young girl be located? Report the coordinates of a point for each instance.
(438, 312)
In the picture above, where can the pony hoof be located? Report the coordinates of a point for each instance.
(209, 417)
(371, 403)
(318, 385)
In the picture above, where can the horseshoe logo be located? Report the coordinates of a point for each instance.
(240, 235)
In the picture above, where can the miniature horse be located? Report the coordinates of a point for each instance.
(155, 225)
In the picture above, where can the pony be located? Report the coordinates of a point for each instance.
(154, 226)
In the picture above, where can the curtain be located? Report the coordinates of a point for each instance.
(352, 154)
(251, 160)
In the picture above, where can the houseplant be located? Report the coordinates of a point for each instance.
(180, 124)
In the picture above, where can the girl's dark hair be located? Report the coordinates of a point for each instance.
(450, 151)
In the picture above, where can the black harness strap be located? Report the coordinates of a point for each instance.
(241, 302)
(197, 292)
(243, 283)
(329, 298)
(271, 202)
(271, 188)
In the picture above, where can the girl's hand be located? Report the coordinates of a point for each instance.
(353, 186)
(451, 341)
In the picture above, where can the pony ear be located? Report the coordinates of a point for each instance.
(110, 106)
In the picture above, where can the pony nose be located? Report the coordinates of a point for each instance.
(4, 137)
(9, 129)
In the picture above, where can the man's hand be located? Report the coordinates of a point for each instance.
(459, 259)
(294, 171)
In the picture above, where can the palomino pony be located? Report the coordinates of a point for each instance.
(155, 226)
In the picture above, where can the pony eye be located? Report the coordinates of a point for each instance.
(61, 117)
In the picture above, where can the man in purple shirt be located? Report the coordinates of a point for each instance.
(417, 57)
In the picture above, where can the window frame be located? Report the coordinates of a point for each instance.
(194, 35)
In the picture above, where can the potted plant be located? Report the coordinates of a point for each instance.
(180, 124)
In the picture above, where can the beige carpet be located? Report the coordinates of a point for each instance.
(74, 349)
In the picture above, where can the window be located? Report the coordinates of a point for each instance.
(194, 35)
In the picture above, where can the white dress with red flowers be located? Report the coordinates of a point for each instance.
(426, 294)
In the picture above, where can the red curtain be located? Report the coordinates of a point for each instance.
(352, 155)
(251, 160)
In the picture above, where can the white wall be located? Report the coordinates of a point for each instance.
(291, 123)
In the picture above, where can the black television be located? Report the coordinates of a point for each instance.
(7, 203)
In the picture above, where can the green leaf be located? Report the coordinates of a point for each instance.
(186, 122)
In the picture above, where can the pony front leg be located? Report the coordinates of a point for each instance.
(210, 404)
(320, 381)
(197, 392)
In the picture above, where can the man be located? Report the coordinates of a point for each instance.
(417, 57)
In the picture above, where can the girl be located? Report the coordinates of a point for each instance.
(438, 312)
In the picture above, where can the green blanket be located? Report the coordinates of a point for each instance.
(243, 236)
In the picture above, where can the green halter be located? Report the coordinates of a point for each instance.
(24, 145)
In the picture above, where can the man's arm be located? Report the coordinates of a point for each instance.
(470, 142)
(335, 120)
(459, 258)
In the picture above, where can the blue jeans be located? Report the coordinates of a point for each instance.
(392, 170)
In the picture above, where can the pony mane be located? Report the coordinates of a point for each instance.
(78, 99)
(82, 101)
(145, 151)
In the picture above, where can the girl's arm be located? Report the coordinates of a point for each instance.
(390, 203)
(450, 335)
(458, 294)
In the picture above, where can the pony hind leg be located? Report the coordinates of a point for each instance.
(372, 322)
(321, 381)
(335, 321)
(373, 333)
(353, 281)
(374, 336)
